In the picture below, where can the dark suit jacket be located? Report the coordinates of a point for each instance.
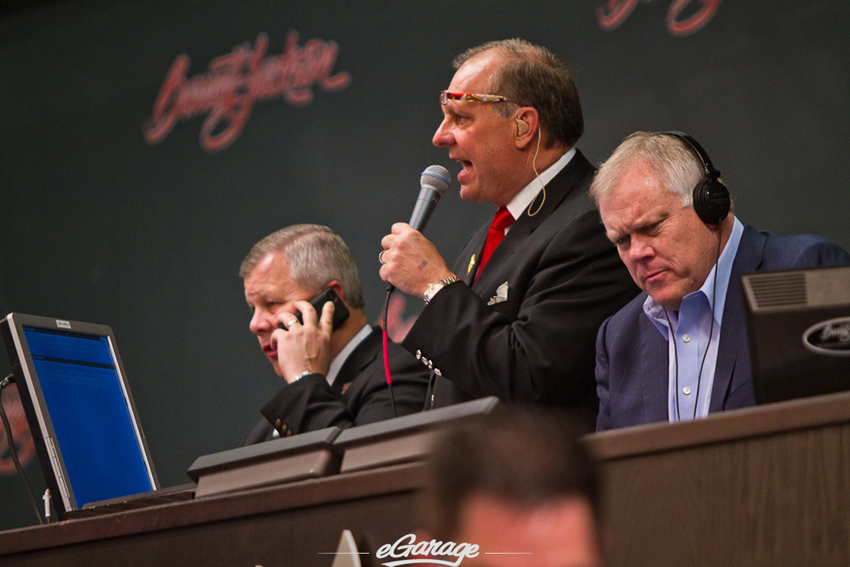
(359, 393)
(632, 355)
(564, 278)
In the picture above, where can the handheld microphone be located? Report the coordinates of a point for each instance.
(434, 183)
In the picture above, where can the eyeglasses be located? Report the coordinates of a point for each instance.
(445, 96)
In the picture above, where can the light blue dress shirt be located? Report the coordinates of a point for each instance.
(691, 369)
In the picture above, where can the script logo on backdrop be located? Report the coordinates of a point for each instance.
(20, 430)
(232, 84)
(684, 17)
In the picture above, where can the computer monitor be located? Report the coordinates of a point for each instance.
(798, 328)
(79, 408)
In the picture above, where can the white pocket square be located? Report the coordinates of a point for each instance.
(501, 294)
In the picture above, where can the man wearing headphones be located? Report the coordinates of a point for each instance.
(678, 351)
(517, 315)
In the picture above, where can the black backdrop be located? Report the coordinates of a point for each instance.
(100, 225)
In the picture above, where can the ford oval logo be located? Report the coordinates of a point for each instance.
(831, 337)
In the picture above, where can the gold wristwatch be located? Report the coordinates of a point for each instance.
(437, 286)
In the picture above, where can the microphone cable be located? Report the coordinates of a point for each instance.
(711, 325)
(433, 183)
(390, 289)
(710, 332)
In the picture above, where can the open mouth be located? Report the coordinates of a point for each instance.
(466, 171)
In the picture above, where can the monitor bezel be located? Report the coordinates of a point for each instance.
(36, 410)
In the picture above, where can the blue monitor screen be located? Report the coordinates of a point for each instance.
(91, 417)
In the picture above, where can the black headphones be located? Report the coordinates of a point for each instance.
(711, 197)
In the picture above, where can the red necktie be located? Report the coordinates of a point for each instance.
(501, 222)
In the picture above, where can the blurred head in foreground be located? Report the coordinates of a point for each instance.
(520, 486)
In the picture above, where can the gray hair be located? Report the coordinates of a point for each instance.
(673, 163)
(316, 256)
(531, 75)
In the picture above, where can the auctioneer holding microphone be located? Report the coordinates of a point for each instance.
(517, 315)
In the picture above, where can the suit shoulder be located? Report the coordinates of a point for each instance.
(801, 250)
(630, 312)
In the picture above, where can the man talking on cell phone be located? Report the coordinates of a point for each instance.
(332, 367)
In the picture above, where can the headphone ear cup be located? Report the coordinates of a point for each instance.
(711, 201)
(521, 127)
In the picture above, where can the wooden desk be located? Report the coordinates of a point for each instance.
(767, 486)
(762, 486)
(284, 525)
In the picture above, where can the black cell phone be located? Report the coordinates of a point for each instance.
(340, 310)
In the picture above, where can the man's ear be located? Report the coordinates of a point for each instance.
(337, 287)
(527, 126)
(521, 127)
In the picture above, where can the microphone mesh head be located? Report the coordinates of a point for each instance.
(436, 177)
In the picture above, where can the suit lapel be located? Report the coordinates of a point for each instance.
(567, 180)
(467, 263)
(655, 372)
(359, 359)
(733, 340)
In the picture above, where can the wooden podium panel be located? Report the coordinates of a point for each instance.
(298, 524)
(762, 486)
(765, 486)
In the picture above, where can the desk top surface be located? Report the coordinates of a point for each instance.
(803, 413)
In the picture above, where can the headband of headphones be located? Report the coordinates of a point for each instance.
(711, 197)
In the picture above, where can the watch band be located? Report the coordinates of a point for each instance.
(433, 288)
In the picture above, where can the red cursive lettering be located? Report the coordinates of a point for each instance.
(693, 23)
(232, 84)
(20, 430)
(615, 12)
(397, 323)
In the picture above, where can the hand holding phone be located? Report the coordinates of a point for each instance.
(307, 349)
(341, 312)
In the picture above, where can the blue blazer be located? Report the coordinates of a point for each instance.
(631, 354)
